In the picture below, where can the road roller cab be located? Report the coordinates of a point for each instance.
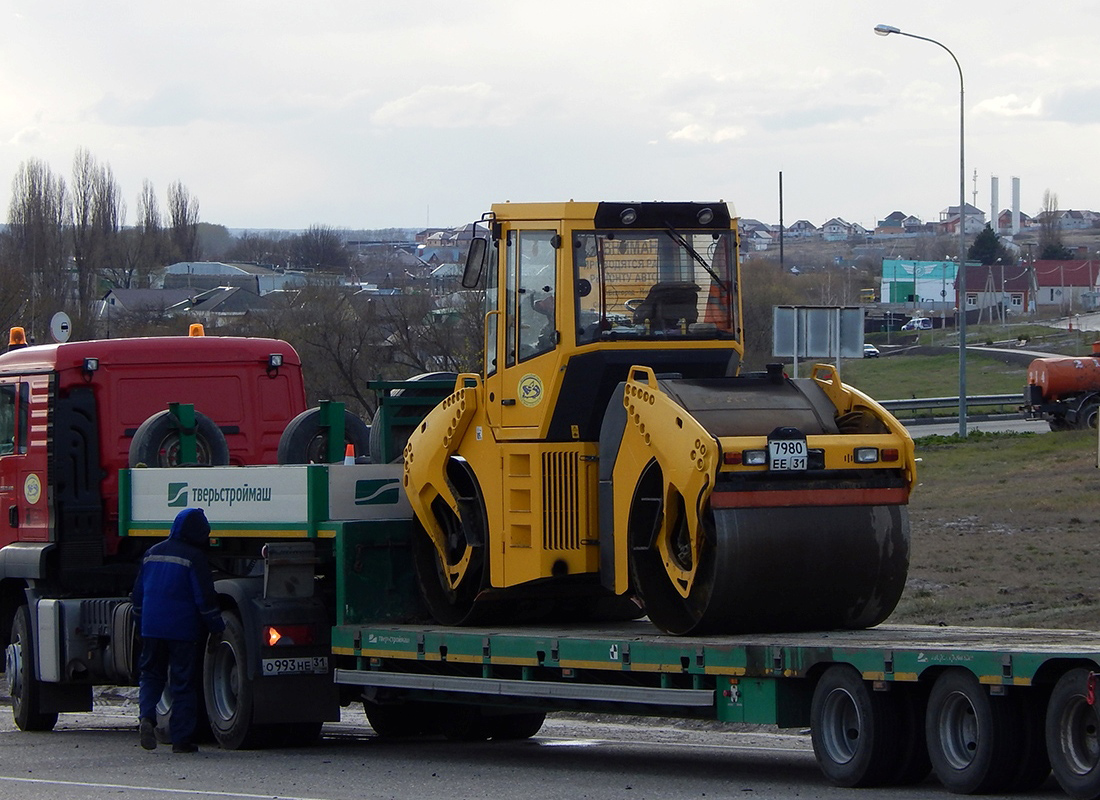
(611, 454)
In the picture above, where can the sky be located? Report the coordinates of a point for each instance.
(362, 114)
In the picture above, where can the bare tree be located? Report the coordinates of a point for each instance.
(257, 248)
(183, 215)
(321, 247)
(97, 215)
(38, 246)
(1050, 235)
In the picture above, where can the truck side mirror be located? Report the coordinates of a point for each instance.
(475, 263)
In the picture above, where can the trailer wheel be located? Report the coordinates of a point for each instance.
(853, 729)
(304, 441)
(23, 686)
(1073, 735)
(228, 692)
(511, 727)
(973, 738)
(402, 720)
(466, 724)
(156, 442)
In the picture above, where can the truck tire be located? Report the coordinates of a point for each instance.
(973, 738)
(304, 441)
(23, 686)
(164, 713)
(156, 442)
(853, 729)
(1072, 740)
(228, 691)
(1087, 415)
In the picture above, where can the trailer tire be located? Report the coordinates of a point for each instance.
(853, 729)
(466, 724)
(402, 720)
(156, 442)
(22, 684)
(1073, 735)
(228, 691)
(304, 441)
(973, 737)
(513, 727)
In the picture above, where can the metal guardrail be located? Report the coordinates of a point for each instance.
(917, 403)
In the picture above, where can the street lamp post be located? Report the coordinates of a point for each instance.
(886, 30)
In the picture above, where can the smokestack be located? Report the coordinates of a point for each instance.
(1015, 206)
(995, 204)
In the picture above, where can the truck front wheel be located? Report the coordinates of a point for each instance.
(19, 665)
(229, 697)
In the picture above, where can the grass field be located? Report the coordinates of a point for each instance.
(1004, 532)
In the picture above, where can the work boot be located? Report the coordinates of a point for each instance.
(185, 747)
(148, 735)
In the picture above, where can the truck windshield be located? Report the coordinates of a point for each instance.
(655, 283)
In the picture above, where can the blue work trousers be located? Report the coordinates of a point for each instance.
(171, 663)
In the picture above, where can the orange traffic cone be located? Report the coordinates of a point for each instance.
(349, 454)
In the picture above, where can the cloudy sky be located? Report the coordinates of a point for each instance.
(367, 114)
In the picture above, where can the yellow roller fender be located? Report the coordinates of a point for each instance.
(426, 454)
(659, 429)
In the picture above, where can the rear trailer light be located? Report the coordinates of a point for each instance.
(866, 455)
(278, 635)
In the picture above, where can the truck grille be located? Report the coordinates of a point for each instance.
(561, 529)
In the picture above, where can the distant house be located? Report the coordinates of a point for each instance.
(1004, 220)
(1066, 286)
(837, 230)
(974, 220)
(803, 229)
(212, 274)
(927, 285)
(989, 286)
(153, 302)
(1077, 220)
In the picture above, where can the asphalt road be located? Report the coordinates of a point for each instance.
(91, 756)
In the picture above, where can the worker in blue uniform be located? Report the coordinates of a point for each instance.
(175, 608)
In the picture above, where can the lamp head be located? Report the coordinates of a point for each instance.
(886, 30)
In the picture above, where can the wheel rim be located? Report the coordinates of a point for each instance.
(13, 666)
(958, 731)
(1079, 740)
(169, 451)
(841, 732)
(225, 682)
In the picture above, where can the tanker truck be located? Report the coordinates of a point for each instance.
(1065, 390)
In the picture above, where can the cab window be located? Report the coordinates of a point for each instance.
(14, 421)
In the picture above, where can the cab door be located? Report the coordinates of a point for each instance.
(526, 330)
(24, 507)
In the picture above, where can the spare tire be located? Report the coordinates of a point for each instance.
(305, 441)
(156, 442)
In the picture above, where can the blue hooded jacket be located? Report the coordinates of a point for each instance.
(174, 592)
